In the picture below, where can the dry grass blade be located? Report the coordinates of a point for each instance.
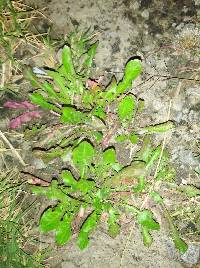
(15, 33)
(16, 223)
(12, 148)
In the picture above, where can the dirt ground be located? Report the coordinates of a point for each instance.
(166, 35)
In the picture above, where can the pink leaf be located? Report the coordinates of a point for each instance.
(92, 83)
(39, 181)
(23, 118)
(19, 105)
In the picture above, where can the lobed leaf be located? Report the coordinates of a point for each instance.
(50, 219)
(147, 238)
(82, 156)
(154, 156)
(109, 156)
(180, 244)
(64, 231)
(67, 62)
(71, 115)
(82, 240)
(145, 218)
(113, 226)
(49, 90)
(113, 229)
(38, 99)
(133, 138)
(159, 128)
(85, 185)
(121, 138)
(88, 226)
(90, 55)
(68, 178)
(133, 69)
(126, 108)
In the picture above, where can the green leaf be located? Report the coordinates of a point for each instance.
(159, 128)
(49, 89)
(109, 156)
(156, 197)
(85, 185)
(67, 62)
(146, 150)
(140, 106)
(38, 99)
(137, 169)
(145, 218)
(54, 153)
(113, 229)
(71, 115)
(39, 190)
(50, 219)
(82, 157)
(88, 226)
(90, 223)
(60, 82)
(155, 155)
(117, 166)
(126, 109)
(99, 112)
(121, 138)
(82, 240)
(68, 178)
(166, 174)
(91, 53)
(133, 138)
(180, 244)
(98, 135)
(87, 99)
(132, 70)
(140, 186)
(147, 238)
(122, 87)
(33, 78)
(111, 90)
(63, 231)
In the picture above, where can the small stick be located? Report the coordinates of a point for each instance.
(12, 148)
(3, 75)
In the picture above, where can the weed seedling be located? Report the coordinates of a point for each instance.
(94, 183)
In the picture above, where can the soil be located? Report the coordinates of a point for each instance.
(166, 35)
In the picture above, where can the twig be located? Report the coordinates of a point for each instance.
(12, 148)
(3, 75)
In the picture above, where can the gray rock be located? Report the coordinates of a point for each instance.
(192, 255)
(38, 163)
